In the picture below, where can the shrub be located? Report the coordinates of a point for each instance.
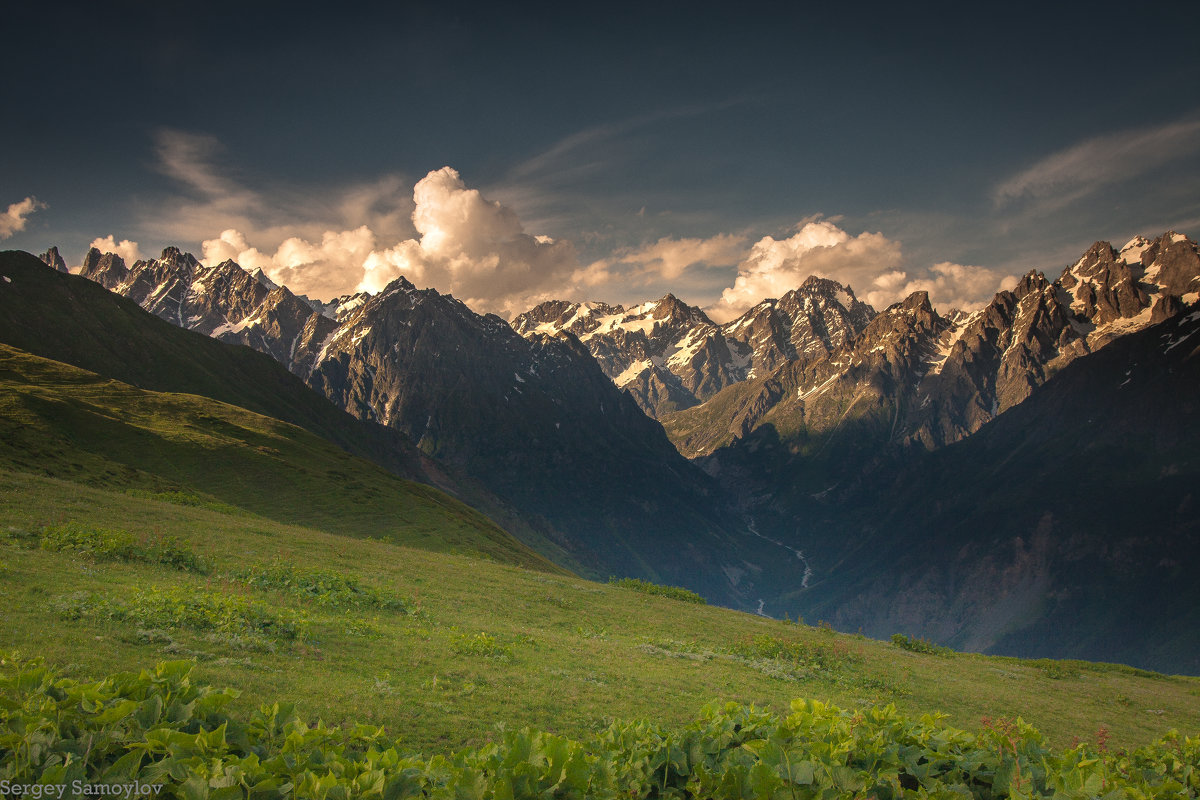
(482, 644)
(917, 645)
(673, 592)
(765, 647)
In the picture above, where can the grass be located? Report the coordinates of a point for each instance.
(476, 643)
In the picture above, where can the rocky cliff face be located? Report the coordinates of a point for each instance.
(666, 354)
(537, 421)
(51, 258)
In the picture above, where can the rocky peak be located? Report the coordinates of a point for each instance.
(554, 316)
(107, 269)
(552, 311)
(1103, 288)
(1134, 251)
(339, 308)
(262, 278)
(815, 286)
(918, 303)
(51, 258)
(674, 311)
(819, 317)
(179, 260)
(913, 316)
(1173, 265)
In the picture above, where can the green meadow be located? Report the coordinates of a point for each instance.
(454, 646)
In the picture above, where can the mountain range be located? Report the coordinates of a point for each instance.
(531, 432)
(900, 469)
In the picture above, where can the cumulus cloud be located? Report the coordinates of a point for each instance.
(127, 250)
(473, 248)
(1072, 173)
(231, 245)
(870, 264)
(775, 266)
(466, 245)
(14, 219)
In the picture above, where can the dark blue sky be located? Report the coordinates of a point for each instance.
(1005, 137)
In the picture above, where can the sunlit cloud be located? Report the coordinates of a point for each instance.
(127, 250)
(466, 245)
(14, 219)
(1079, 170)
(775, 266)
(669, 258)
(320, 269)
(949, 285)
(474, 248)
(870, 263)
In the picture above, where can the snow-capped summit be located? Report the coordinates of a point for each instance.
(670, 355)
(665, 353)
(816, 318)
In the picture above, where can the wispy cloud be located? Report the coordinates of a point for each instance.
(189, 158)
(1076, 172)
(557, 187)
(14, 219)
(564, 155)
(668, 258)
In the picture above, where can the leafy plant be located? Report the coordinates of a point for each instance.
(116, 545)
(482, 644)
(326, 588)
(159, 727)
(236, 618)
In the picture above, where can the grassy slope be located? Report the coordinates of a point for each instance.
(62, 421)
(572, 654)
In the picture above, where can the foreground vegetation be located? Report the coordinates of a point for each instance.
(159, 728)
